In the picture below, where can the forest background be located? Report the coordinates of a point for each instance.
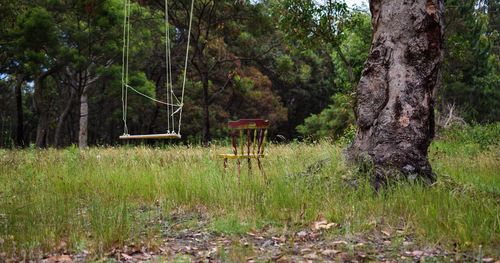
(249, 59)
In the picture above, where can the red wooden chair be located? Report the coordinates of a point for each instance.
(248, 138)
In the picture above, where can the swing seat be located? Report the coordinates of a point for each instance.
(151, 136)
(174, 107)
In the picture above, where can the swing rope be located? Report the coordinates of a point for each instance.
(186, 63)
(126, 40)
(173, 108)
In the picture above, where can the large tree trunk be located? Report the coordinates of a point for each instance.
(395, 115)
(84, 119)
(20, 113)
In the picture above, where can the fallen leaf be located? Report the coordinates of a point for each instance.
(323, 224)
(330, 225)
(126, 257)
(302, 234)
(62, 246)
(387, 233)
(417, 253)
(339, 242)
(329, 252)
(311, 256)
(280, 239)
(61, 258)
(316, 225)
(141, 256)
(251, 234)
(282, 259)
(305, 250)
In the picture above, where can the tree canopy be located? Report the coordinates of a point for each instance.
(295, 63)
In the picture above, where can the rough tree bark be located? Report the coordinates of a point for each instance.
(394, 100)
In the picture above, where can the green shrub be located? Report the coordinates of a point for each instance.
(482, 135)
(332, 122)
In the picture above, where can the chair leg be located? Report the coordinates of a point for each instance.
(239, 170)
(261, 168)
(225, 166)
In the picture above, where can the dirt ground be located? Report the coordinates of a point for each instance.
(316, 243)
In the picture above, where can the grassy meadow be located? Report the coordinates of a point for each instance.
(99, 198)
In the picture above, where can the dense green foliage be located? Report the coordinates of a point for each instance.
(332, 121)
(471, 77)
(482, 135)
(295, 63)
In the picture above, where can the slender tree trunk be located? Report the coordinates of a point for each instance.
(41, 109)
(20, 113)
(206, 113)
(348, 66)
(85, 83)
(395, 115)
(84, 119)
(41, 131)
(63, 117)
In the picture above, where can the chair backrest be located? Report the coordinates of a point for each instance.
(249, 135)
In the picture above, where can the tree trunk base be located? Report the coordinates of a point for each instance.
(381, 175)
(395, 95)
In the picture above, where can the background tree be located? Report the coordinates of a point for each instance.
(339, 115)
(470, 69)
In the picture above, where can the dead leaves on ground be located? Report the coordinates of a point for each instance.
(59, 259)
(312, 244)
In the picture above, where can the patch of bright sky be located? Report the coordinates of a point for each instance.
(363, 4)
(357, 3)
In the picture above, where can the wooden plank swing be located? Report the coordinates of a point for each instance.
(151, 136)
(174, 105)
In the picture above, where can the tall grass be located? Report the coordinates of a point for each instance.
(105, 197)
